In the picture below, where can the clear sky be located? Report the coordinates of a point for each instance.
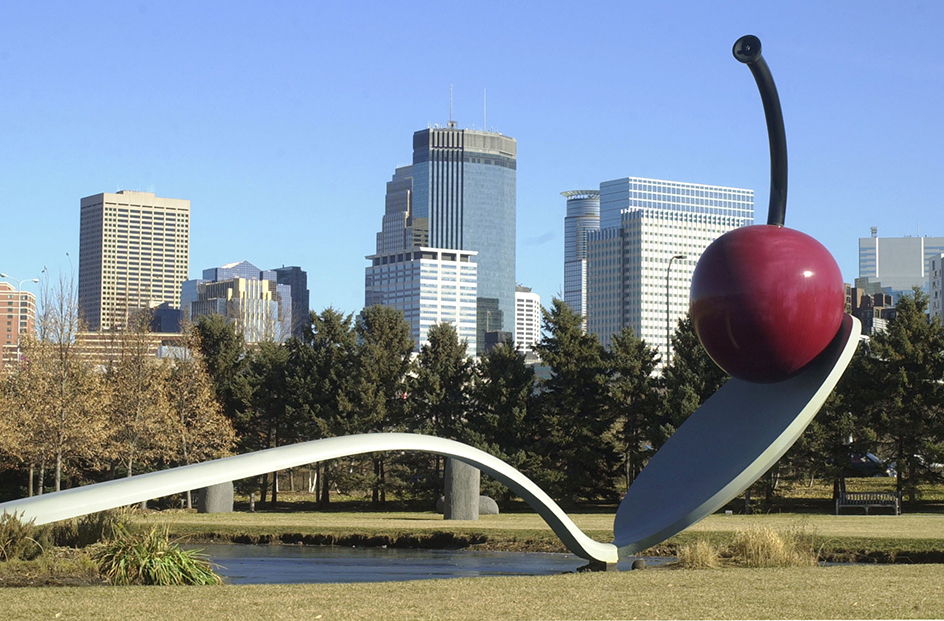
(282, 122)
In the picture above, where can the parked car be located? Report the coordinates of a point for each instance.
(868, 465)
(933, 466)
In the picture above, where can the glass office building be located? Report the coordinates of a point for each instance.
(459, 194)
(253, 299)
(583, 216)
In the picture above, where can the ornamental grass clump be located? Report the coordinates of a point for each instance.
(22, 541)
(701, 554)
(768, 547)
(151, 558)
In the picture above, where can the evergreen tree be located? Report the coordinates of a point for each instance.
(501, 419)
(502, 414)
(268, 421)
(439, 397)
(321, 379)
(439, 391)
(633, 396)
(691, 377)
(201, 429)
(383, 361)
(580, 460)
(321, 384)
(223, 349)
(906, 373)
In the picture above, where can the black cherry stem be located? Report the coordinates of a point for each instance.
(747, 50)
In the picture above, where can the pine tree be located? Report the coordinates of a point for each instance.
(580, 460)
(439, 391)
(223, 349)
(383, 361)
(634, 397)
(502, 414)
(203, 432)
(690, 379)
(906, 373)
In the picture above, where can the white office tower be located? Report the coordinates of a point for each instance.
(898, 262)
(583, 216)
(640, 262)
(430, 286)
(527, 319)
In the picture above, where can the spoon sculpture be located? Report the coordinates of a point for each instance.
(764, 305)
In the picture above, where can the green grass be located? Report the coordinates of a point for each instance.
(859, 592)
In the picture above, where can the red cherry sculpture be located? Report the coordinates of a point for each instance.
(766, 300)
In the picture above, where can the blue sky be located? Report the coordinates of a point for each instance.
(282, 122)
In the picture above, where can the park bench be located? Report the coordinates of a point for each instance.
(868, 500)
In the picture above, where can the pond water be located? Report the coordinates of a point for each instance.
(281, 564)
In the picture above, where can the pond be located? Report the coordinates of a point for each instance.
(282, 564)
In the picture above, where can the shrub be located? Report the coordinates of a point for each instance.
(88, 529)
(21, 540)
(151, 558)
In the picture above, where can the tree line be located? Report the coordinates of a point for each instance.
(65, 420)
(583, 430)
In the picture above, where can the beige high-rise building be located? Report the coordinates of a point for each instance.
(134, 252)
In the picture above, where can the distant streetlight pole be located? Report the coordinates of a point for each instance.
(668, 312)
(19, 308)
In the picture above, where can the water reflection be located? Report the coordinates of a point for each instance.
(276, 564)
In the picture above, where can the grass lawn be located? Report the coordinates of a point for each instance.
(853, 592)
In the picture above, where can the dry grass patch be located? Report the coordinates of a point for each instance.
(700, 554)
(756, 547)
(768, 547)
(853, 592)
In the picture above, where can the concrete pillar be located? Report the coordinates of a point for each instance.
(216, 498)
(462, 491)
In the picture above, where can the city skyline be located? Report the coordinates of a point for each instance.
(246, 115)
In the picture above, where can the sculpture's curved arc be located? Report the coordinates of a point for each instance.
(101, 496)
(726, 445)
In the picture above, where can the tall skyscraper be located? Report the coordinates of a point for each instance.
(296, 278)
(583, 216)
(637, 277)
(459, 194)
(134, 253)
(898, 262)
(17, 317)
(251, 298)
(527, 319)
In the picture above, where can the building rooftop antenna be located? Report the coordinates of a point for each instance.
(484, 108)
(451, 122)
